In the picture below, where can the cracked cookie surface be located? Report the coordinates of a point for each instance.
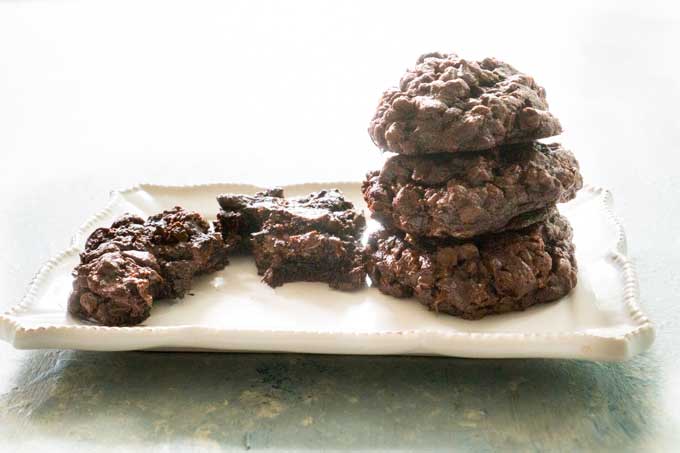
(449, 104)
(491, 274)
(469, 194)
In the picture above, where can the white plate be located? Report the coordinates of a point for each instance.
(233, 311)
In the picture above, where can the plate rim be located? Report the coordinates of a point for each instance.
(636, 340)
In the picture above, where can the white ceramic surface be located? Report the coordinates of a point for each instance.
(232, 310)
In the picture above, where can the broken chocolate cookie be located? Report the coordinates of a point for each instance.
(292, 248)
(127, 266)
(310, 238)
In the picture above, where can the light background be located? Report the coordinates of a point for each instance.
(101, 95)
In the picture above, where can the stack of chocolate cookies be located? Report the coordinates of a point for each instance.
(467, 202)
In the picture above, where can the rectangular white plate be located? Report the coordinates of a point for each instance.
(233, 311)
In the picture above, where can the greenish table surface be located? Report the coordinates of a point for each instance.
(102, 95)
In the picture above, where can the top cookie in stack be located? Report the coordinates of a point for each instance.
(468, 201)
(448, 104)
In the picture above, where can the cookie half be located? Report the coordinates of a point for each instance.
(314, 238)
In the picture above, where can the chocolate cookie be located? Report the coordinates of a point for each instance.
(242, 215)
(310, 238)
(469, 194)
(471, 279)
(448, 104)
(116, 288)
(127, 266)
(292, 248)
